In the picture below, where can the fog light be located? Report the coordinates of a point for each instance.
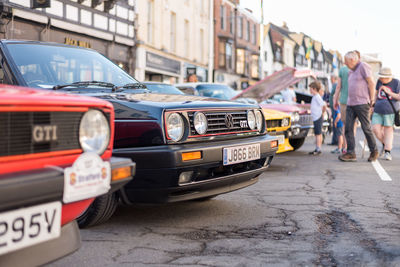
(274, 143)
(296, 131)
(191, 155)
(121, 173)
(185, 177)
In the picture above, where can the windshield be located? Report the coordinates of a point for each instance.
(216, 91)
(163, 88)
(44, 66)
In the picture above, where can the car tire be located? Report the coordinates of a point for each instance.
(297, 143)
(102, 208)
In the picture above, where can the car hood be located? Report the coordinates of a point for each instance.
(272, 114)
(11, 95)
(275, 83)
(282, 107)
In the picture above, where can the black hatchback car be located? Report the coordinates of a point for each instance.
(185, 147)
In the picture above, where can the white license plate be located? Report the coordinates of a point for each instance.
(237, 154)
(281, 139)
(29, 226)
(88, 177)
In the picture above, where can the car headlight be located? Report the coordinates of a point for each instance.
(251, 119)
(200, 123)
(94, 132)
(259, 120)
(175, 126)
(285, 122)
(295, 116)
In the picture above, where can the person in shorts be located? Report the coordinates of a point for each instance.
(318, 107)
(383, 116)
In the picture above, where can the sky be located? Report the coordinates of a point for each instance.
(369, 26)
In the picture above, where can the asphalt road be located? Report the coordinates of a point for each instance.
(305, 211)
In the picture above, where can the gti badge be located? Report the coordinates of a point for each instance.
(44, 133)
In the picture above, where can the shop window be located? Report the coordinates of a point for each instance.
(72, 13)
(100, 21)
(86, 17)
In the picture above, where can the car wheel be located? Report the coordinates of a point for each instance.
(99, 211)
(297, 143)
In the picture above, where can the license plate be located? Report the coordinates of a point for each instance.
(88, 177)
(29, 226)
(281, 139)
(238, 154)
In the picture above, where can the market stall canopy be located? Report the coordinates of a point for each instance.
(275, 83)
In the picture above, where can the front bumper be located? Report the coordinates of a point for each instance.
(68, 242)
(298, 131)
(285, 145)
(34, 187)
(157, 178)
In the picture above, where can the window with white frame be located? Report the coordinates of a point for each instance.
(248, 31)
(240, 27)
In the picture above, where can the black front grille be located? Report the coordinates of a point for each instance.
(17, 138)
(274, 123)
(217, 125)
(305, 120)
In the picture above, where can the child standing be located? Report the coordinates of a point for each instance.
(337, 121)
(318, 107)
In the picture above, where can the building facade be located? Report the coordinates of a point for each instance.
(173, 40)
(106, 26)
(236, 45)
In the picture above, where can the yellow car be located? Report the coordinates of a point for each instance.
(278, 124)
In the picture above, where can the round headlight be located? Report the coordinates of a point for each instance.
(175, 126)
(295, 116)
(259, 119)
(200, 123)
(94, 132)
(251, 119)
(285, 122)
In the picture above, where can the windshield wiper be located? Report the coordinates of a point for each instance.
(132, 86)
(86, 83)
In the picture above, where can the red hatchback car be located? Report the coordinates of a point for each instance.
(55, 158)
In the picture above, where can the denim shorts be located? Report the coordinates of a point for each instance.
(383, 119)
(318, 126)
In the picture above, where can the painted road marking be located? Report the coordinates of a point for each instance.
(377, 166)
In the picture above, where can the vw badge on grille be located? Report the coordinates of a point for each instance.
(229, 120)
